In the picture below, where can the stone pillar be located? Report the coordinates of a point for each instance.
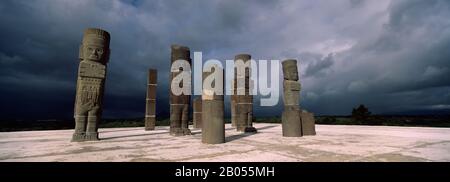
(150, 111)
(233, 98)
(197, 112)
(233, 110)
(213, 126)
(179, 105)
(94, 55)
(243, 104)
(291, 118)
(295, 122)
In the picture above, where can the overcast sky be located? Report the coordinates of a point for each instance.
(393, 56)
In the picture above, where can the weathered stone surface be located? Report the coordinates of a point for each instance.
(291, 93)
(290, 71)
(179, 119)
(94, 54)
(179, 105)
(308, 123)
(197, 112)
(213, 126)
(213, 129)
(242, 105)
(244, 113)
(343, 143)
(150, 111)
(291, 123)
(233, 110)
(295, 123)
(150, 123)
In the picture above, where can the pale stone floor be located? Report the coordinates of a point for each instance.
(332, 143)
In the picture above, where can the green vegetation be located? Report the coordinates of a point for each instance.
(375, 120)
(378, 120)
(29, 125)
(267, 120)
(361, 113)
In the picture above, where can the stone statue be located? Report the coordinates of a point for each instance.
(179, 105)
(150, 111)
(291, 119)
(242, 105)
(295, 122)
(94, 54)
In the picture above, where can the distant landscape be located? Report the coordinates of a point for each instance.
(394, 120)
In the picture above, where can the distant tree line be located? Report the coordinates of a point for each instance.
(362, 116)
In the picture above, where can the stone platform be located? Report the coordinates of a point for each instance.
(332, 143)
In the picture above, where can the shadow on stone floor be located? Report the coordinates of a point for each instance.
(230, 138)
(128, 136)
(243, 135)
(200, 131)
(131, 129)
(265, 127)
(238, 136)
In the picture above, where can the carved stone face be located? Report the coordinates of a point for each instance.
(93, 49)
(93, 52)
(290, 70)
(292, 73)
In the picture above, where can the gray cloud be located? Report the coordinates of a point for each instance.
(316, 64)
(391, 56)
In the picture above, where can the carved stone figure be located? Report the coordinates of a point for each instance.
(291, 118)
(197, 112)
(179, 105)
(242, 105)
(93, 55)
(295, 122)
(150, 111)
(213, 126)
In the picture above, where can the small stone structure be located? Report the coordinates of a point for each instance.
(150, 102)
(179, 105)
(213, 126)
(308, 123)
(93, 54)
(295, 122)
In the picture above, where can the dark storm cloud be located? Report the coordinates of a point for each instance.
(391, 56)
(402, 68)
(40, 41)
(316, 64)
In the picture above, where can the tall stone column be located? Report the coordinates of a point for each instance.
(291, 118)
(197, 112)
(295, 121)
(233, 99)
(179, 105)
(150, 111)
(94, 54)
(213, 126)
(243, 104)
